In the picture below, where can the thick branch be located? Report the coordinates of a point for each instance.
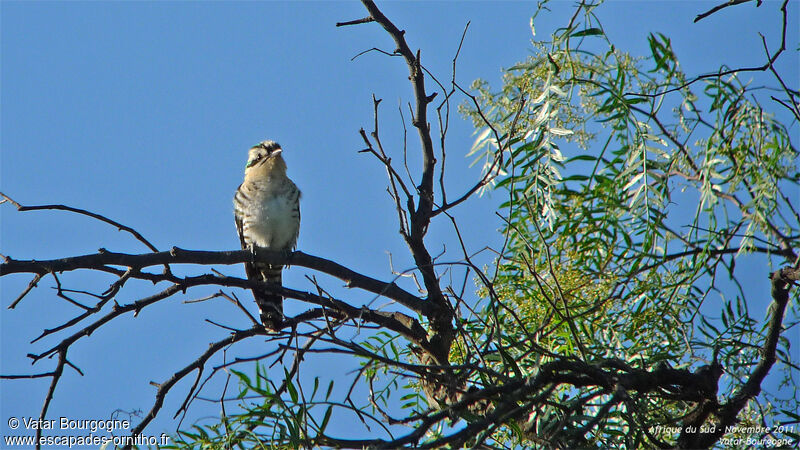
(440, 314)
(611, 376)
(781, 282)
(179, 256)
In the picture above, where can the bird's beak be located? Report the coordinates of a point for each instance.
(275, 152)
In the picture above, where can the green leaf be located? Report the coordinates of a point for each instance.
(290, 388)
(588, 32)
(325, 419)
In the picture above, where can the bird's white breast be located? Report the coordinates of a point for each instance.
(273, 221)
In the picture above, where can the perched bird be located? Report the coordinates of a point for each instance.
(267, 213)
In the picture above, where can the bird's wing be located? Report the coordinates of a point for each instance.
(249, 268)
(296, 211)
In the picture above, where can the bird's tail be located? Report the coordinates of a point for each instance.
(270, 306)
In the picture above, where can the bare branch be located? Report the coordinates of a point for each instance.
(355, 22)
(197, 364)
(180, 256)
(782, 280)
(722, 6)
(99, 217)
(440, 314)
(722, 73)
(31, 285)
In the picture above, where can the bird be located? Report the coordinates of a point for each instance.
(267, 215)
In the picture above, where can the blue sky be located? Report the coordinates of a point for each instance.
(144, 111)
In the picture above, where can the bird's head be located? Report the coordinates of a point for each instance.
(264, 158)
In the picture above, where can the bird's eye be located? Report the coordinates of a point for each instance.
(255, 160)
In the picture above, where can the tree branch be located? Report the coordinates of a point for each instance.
(84, 212)
(176, 255)
(440, 314)
(782, 280)
(722, 6)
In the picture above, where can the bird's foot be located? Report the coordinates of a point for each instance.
(287, 256)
